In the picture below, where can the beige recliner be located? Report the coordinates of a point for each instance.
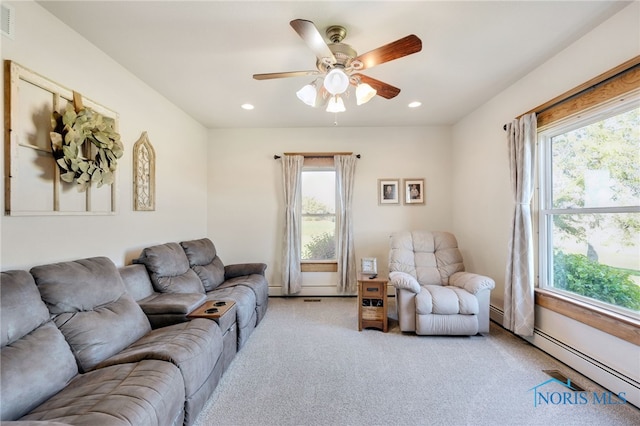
(434, 294)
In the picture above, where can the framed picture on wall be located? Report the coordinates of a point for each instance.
(388, 191)
(413, 191)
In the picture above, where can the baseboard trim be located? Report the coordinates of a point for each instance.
(321, 291)
(496, 315)
(310, 291)
(607, 377)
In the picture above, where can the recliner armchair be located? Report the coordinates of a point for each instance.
(434, 294)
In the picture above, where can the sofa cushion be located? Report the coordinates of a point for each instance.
(34, 368)
(35, 359)
(136, 280)
(204, 260)
(22, 308)
(169, 269)
(413, 253)
(244, 298)
(150, 392)
(430, 257)
(79, 285)
(194, 347)
(171, 303)
(91, 307)
(445, 300)
(448, 256)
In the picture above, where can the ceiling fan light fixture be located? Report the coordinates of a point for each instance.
(364, 93)
(336, 104)
(336, 81)
(308, 94)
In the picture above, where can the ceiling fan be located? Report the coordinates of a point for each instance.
(338, 66)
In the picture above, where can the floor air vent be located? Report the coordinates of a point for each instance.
(311, 300)
(564, 379)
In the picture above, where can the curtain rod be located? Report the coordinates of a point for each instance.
(603, 78)
(276, 156)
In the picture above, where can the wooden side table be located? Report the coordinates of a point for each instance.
(372, 302)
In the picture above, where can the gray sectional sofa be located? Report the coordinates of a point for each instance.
(194, 267)
(84, 342)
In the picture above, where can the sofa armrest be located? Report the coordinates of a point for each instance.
(473, 283)
(241, 269)
(404, 281)
(171, 303)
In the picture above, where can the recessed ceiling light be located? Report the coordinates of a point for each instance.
(415, 104)
(247, 106)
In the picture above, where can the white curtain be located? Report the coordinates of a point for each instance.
(518, 292)
(291, 173)
(345, 174)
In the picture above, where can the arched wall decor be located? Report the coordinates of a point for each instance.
(144, 175)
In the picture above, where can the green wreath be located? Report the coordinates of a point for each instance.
(70, 132)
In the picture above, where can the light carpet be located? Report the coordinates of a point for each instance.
(307, 364)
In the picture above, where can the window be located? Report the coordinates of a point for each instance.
(589, 205)
(321, 208)
(318, 225)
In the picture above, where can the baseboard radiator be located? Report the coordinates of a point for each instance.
(607, 377)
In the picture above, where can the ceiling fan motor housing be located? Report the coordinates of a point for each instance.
(336, 33)
(344, 55)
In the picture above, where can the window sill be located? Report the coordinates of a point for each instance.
(617, 325)
(319, 266)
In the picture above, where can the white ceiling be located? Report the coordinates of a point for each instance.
(201, 55)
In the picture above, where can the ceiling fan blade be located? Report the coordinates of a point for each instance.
(394, 50)
(310, 34)
(383, 89)
(273, 75)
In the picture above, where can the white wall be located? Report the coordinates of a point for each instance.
(246, 197)
(45, 45)
(481, 175)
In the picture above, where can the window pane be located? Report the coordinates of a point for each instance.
(598, 256)
(598, 165)
(318, 215)
(593, 250)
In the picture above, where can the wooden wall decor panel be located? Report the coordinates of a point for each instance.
(32, 178)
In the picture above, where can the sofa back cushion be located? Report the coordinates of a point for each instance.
(204, 260)
(36, 361)
(430, 257)
(137, 282)
(169, 269)
(91, 307)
